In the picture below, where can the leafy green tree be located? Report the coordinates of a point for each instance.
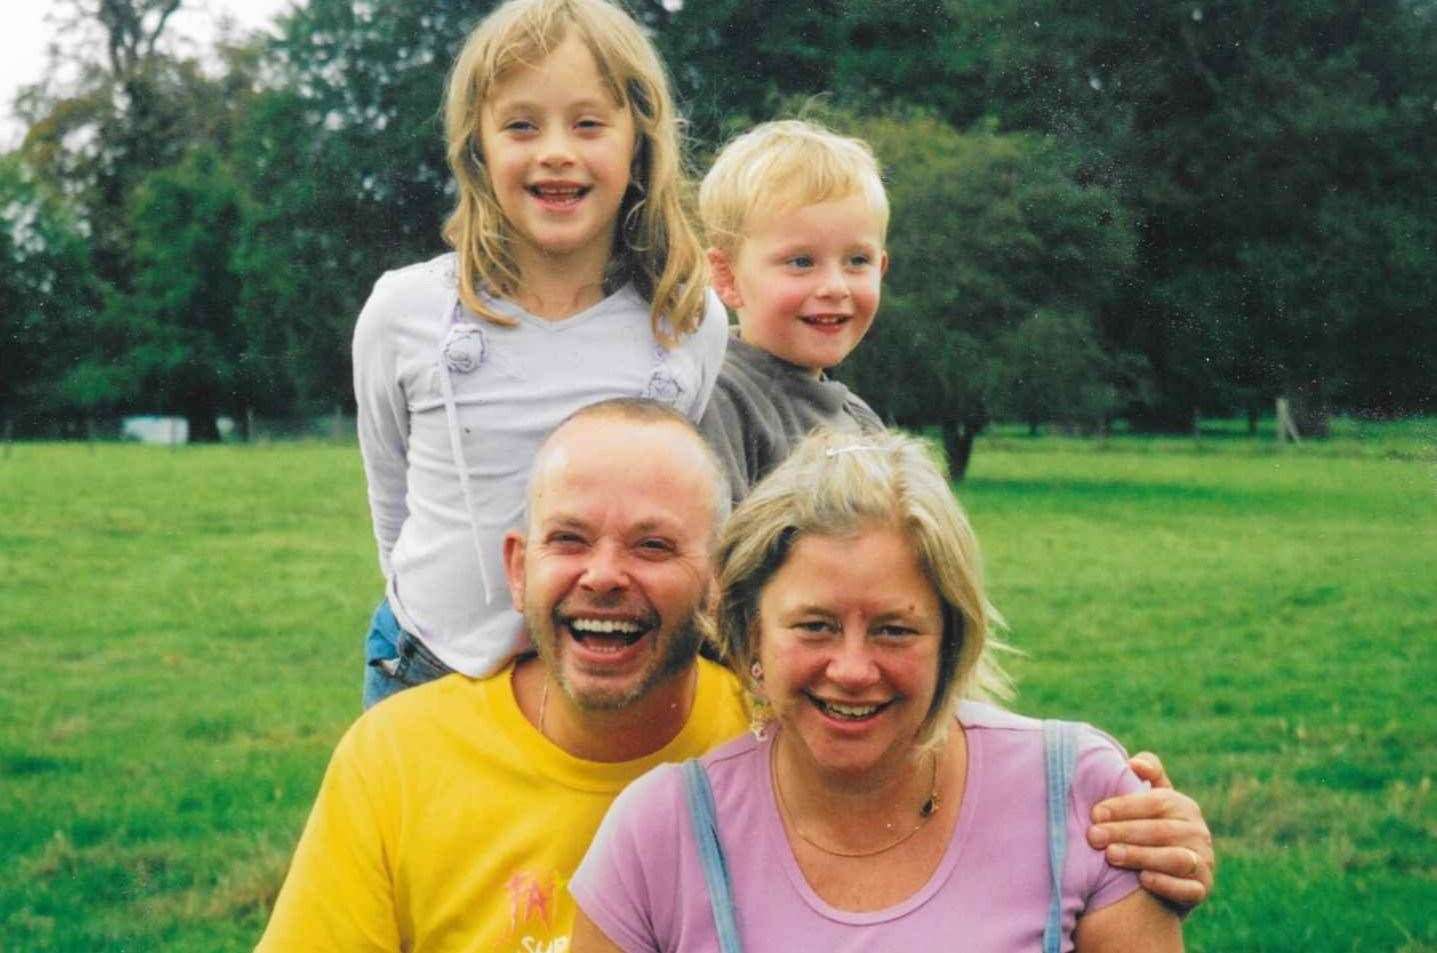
(988, 230)
(183, 342)
(344, 152)
(47, 291)
(1053, 368)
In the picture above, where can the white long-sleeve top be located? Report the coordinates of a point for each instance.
(445, 398)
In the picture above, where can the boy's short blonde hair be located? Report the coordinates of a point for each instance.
(781, 165)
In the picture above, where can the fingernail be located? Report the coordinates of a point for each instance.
(1098, 838)
(1117, 854)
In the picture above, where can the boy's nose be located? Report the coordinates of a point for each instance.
(833, 285)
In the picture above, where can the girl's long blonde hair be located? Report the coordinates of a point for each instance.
(655, 245)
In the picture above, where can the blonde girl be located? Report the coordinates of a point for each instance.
(575, 276)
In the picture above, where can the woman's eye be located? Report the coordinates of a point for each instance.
(656, 547)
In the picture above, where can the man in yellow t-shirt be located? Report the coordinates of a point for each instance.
(453, 814)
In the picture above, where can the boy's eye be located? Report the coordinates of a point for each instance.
(801, 261)
(860, 261)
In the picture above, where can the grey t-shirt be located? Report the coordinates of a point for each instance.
(763, 406)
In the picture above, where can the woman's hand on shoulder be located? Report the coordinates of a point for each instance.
(1160, 833)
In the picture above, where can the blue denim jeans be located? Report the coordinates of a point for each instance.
(395, 660)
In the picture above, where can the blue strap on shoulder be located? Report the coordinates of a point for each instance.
(705, 822)
(1059, 755)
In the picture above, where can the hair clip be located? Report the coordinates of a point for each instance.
(852, 448)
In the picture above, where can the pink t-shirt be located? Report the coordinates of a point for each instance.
(642, 884)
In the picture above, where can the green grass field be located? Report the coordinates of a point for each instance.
(181, 642)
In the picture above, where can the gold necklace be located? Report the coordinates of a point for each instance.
(925, 811)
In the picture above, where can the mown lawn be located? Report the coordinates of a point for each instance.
(181, 630)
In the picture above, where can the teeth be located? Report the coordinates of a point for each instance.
(826, 319)
(605, 626)
(849, 711)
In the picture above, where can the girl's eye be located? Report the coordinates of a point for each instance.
(519, 125)
(589, 125)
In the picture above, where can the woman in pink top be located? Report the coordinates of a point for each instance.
(873, 811)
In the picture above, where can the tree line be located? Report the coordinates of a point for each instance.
(1142, 211)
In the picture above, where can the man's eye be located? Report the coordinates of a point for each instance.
(565, 539)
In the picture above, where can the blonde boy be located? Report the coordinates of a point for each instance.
(796, 217)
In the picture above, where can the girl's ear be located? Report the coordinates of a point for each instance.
(721, 271)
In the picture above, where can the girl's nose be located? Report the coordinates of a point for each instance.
(555, 150)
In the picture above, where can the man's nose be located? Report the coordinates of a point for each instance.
(604, 571)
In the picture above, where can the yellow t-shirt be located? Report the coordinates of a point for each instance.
(446, 822)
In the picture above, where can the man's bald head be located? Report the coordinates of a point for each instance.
(642, 413)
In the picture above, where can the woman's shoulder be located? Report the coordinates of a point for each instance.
(1097, 751)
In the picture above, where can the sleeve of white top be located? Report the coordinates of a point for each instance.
(383, 419)
(711, 338)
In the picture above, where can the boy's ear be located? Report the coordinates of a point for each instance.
(883, 264)
(721, 271)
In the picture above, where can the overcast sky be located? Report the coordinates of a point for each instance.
(26, 32)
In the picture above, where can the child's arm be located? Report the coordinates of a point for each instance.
(722, 426)
(383, 421)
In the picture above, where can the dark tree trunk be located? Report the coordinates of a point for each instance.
(203, 423)
(958, 437)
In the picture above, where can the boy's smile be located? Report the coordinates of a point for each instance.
(805, 282)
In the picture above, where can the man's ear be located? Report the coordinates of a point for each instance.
(514, 544)
(721, 273)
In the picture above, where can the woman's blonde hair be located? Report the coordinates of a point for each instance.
(783, 165)
(840, 484)
(656, 247)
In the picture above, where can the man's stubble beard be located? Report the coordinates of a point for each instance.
(680, 653)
